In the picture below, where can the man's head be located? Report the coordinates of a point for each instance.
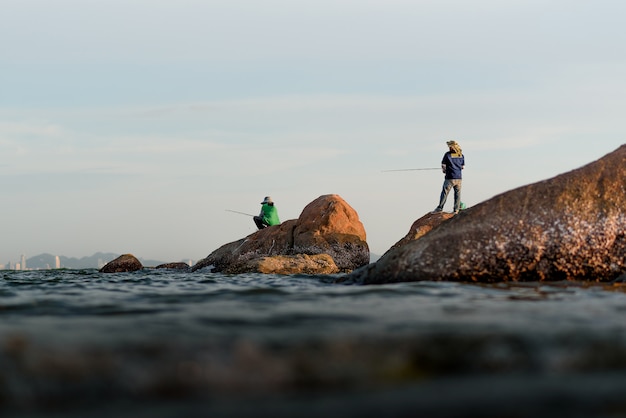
(268, 200)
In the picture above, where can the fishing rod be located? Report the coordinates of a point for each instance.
(413, 169)
(241, 213)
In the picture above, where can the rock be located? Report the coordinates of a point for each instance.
(421, 227)
(294, 264)
(570, 227)
(174, 266)
(123, 263)
(233, 257)
(328, 225)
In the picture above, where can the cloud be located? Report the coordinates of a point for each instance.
(202, 138)
(530, 138)
(13, 133)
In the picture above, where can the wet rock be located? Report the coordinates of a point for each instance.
(570, 227)
(328, 225)
(174, 266)
(621, 279)
(123, 263)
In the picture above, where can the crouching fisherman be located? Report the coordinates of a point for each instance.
(268, 215)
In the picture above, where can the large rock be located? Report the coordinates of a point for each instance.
(123, 263)
(328, 225)
(570, 227)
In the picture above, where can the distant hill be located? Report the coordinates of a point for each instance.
(96, 261)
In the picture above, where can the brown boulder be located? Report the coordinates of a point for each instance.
(121, 264)
(328, 225)
(570, 227)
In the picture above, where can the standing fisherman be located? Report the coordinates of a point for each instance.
(268, 215)
(452, 165)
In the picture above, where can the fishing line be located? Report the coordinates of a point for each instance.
(241, 213)
(413, 169)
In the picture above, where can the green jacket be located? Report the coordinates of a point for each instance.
(269, 214)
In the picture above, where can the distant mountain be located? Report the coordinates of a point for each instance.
(96, 261)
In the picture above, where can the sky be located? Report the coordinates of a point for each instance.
(134, 126)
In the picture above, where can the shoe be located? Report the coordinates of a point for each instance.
(437, 210)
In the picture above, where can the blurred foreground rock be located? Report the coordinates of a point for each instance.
(431, 375)
(570, 227)
(328, 225)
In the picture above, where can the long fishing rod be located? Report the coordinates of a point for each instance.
(241, 213)
(413, 169)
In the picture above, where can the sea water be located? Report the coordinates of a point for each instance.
(168, 343)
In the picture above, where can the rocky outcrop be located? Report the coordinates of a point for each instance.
(174, 266)
(570, 227)
(123, 263)
(328, 225)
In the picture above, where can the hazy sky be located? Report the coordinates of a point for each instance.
(132, 125)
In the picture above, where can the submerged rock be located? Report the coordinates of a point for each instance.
(570, 227)
(123, 263)
(174, 266)
(328, 225)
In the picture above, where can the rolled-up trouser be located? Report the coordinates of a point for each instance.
(447, 185)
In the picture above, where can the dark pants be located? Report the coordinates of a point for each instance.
(259, 222)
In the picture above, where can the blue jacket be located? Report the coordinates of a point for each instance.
(454, 165)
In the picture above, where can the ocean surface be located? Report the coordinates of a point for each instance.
(163, 343)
